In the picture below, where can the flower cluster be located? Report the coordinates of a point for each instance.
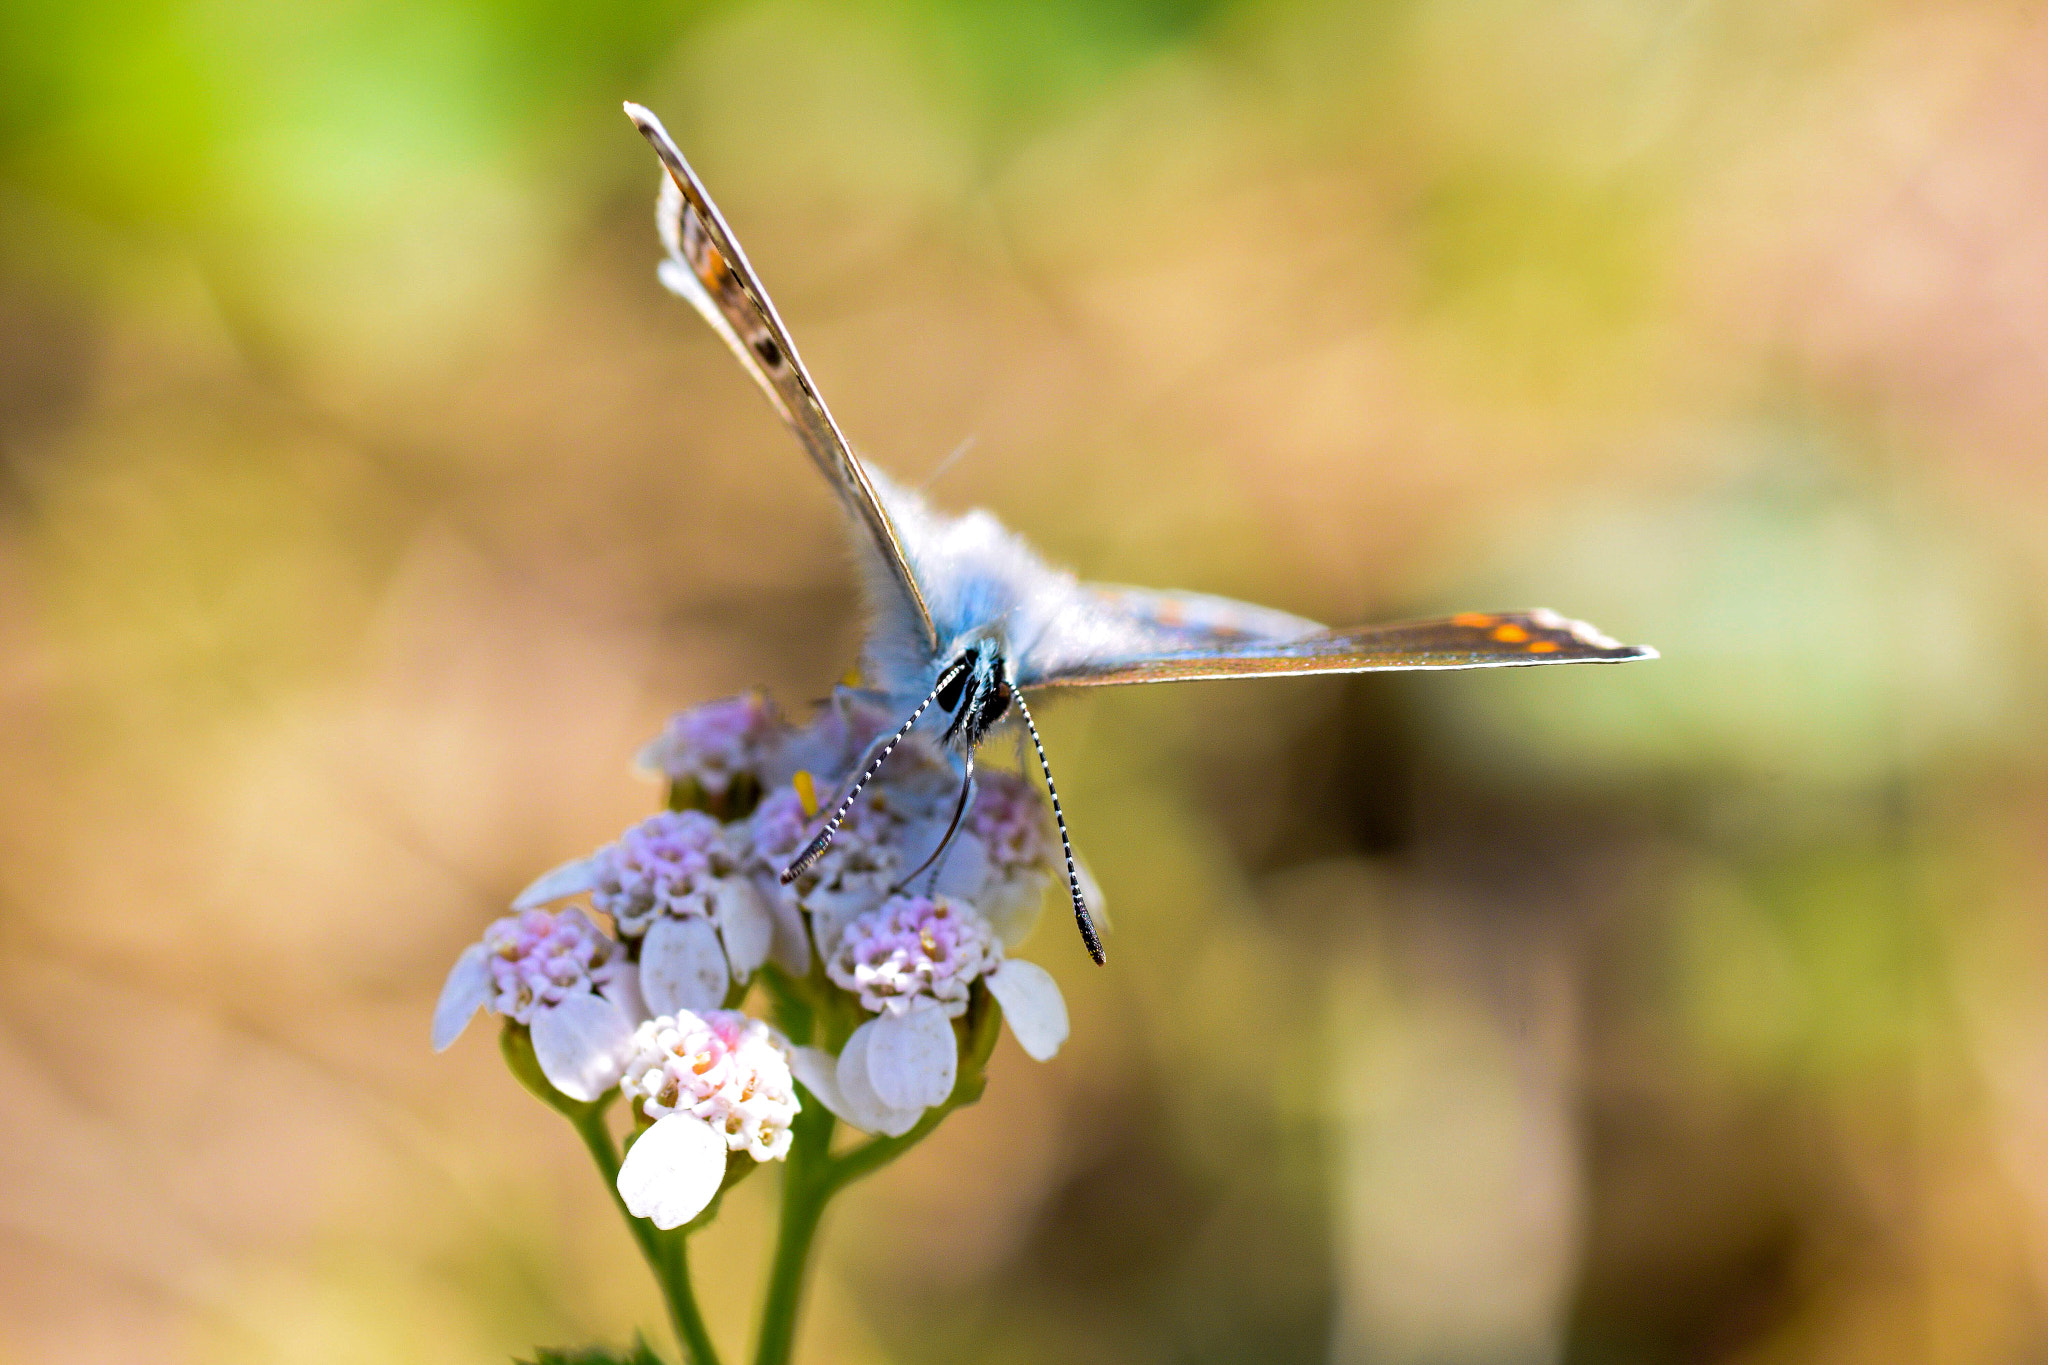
(712, 1084)
(717, 746)
(538, 960)
(913, 950)
(563, 979)
(676, 863)
(912, 962)
(675, 885)
(696, 900)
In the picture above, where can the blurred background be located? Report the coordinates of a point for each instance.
(364, 504)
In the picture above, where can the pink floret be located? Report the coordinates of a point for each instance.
(540, 958)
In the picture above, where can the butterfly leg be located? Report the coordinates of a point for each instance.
(1081, 916)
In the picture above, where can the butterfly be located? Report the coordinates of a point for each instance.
(965, 616)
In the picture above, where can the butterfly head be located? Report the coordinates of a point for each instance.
(977, 695)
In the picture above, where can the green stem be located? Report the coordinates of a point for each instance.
(666, 1253)
(682, 1300)
(806, 1186)
(812, 1175)
(876, 1153)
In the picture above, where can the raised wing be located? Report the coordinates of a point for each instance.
(1163, 648)
(707, 267)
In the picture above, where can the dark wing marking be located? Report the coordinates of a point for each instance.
(707, 267)
(1502, 639)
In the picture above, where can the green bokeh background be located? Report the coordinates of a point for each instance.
(364, 504)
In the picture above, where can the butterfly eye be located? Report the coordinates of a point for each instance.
(995, 701)
(948, 696)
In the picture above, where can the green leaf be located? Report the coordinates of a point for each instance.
(640, 1354)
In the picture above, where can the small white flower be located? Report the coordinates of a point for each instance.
(716, 743)
(713, 1083)
(913, 962)
(561, 977)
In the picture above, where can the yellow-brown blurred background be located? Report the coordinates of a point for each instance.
(364, 503)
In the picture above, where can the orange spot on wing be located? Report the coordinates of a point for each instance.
(1476, 620)
(1511, 634)
(1543, 646)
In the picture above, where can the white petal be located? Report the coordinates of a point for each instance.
(1012, 905)
(743, 923)
(624, 991)
(818, 1072)
(912, 1058)
(790, 945)
(682, 966)
(582, 1045)
(467, 990)
(1032, 1003)
(652, 759)
(672, 1170)
(570, 879)
(863, 1107)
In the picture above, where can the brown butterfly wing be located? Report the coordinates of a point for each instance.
(1174, 650)
(707, 267)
